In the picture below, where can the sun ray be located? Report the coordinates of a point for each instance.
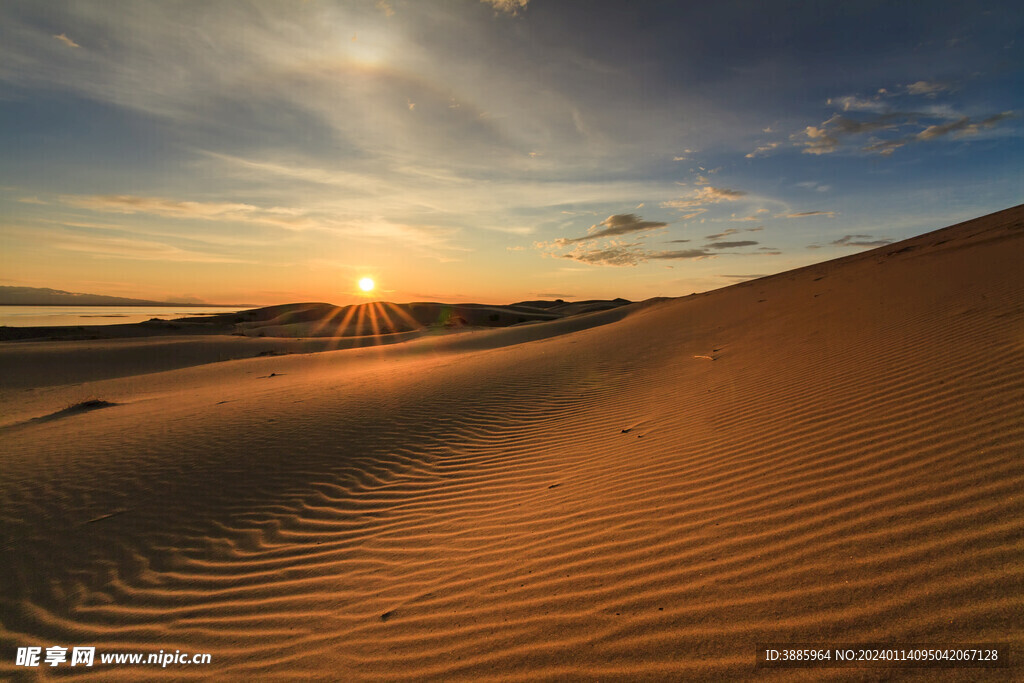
(326, 320)
(360, 322)
(404, 315)
(371, 310)
(339, 331)
(382, 307)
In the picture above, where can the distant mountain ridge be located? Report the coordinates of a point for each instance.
(44, 296)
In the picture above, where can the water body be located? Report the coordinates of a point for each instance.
(47, 316)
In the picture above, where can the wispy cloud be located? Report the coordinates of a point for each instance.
(429, 240)
(763, 149)
(926, 88)
(67, 41)
(704, 196)
(814, 185)
(963, 125)
(724, 233)
(618, 224)
(634, 254)
(891, 128)
(731, 231)
(684, 254)
(292, 219)
(861, 241)
(732, 245)
(807, 214)
(627, 255)
(136, 249)
(608, 256)
(855, 103)
(510, 6)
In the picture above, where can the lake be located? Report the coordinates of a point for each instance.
(47, 316)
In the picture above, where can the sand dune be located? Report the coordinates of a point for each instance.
(828, 454)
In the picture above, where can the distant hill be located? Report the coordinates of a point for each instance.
(43, 296)
(375, 323)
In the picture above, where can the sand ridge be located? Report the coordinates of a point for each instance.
(829, 454)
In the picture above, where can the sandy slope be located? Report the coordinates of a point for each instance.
(830, 454)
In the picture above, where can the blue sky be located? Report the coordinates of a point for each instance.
(490, 150)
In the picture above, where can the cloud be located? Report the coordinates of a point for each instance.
(860, 241)
(677, 241)
(732, 231)
(618, 224)
(685, 216)
(894, 129)
(67, 41)
(31, 200)
(724, 233)
(814, 185)
(136, 250)
(805, 214)
(291, 219)
(826, 138)
(611, 256)
(926, 88)
(763, 149)
(885, 147)
(430, 240)
(963, 125)
(683, 254)
(732, 245)
(819, 141)
(854, 103)
(705, 195)
(631, 255)
(509, 6)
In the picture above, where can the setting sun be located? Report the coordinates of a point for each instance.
(366, 284)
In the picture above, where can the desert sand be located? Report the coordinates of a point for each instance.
(831, 454)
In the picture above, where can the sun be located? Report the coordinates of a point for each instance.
(366, 284)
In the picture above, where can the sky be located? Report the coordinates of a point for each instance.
(490, 150)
